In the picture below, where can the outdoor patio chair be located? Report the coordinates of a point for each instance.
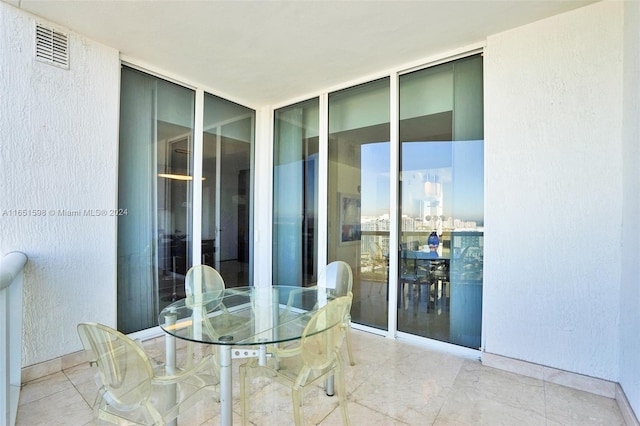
(314, 360)
(336, 279)
(132, 390)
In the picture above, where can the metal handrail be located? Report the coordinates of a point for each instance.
(11, 278)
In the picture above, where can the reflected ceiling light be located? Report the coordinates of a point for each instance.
(176, 177)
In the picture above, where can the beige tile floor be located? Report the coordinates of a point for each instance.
(392, 383)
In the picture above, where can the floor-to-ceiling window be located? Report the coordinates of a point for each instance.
(295, 194)
(441, 207)
(358, 194)
(157, 233)
(438, 182)
(154, 188)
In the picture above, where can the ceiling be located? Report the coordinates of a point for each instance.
(266, 52)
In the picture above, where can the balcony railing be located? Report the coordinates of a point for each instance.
(11, 277)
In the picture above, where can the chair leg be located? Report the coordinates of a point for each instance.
(342, 394)
(428, 285)
(297, 405)
(349, 351)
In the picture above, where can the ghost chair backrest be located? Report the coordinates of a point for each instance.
(125, 370)
(322, 337)
(337, 277)
(375, 252)
(202, 284)
(132, 391)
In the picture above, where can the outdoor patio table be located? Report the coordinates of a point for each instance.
(239, 320)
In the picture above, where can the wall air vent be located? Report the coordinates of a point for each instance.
(52, 46)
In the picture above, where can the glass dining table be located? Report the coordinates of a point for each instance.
(241, 322)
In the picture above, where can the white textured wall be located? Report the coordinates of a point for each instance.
(630, 290)
(553, 111)
(58, 151)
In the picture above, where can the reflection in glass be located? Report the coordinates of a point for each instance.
(295, 194)
(226, 189)
(358, 194)
(442, 193)
(155, 171)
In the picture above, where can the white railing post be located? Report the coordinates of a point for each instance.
(11, 280)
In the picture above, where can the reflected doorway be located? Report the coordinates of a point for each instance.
(226, 190)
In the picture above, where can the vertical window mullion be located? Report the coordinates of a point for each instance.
(323, 166)
(197, 178)
(394, 213)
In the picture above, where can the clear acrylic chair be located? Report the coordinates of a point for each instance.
(377, 259)
(336, 279)
(203, 284)
(316, 359)
(412, 272)
(132, 390)
(204, 287)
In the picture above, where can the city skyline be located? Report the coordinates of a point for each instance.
(455, 168)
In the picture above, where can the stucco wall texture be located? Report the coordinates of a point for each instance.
(58, 154)
(629, 376)
(553, 114)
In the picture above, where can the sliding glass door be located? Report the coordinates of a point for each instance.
(155, 171)
(441, 193)
(160, 234)
(358, 195)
